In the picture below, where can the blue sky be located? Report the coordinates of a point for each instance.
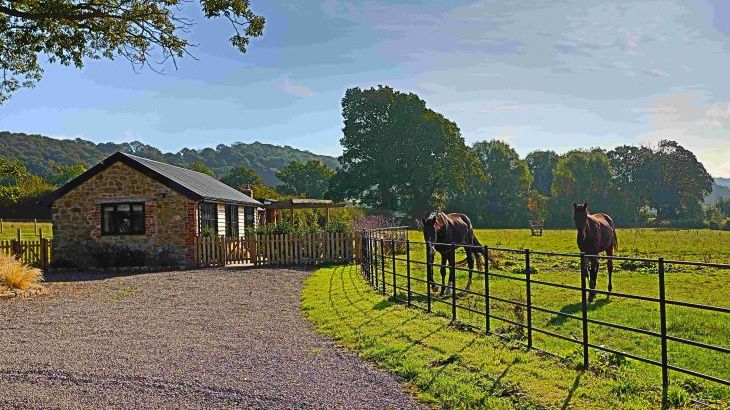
(539, 74)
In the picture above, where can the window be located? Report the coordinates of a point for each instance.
(248, 217)
(208, 216)
(122, 219)
(232, 221)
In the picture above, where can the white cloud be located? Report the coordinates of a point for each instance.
(696, 122)
(288, 86)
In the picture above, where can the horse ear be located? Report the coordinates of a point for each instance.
(585, 204)
(575, 206)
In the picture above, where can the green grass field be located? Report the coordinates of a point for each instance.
(27, 230)
(640, 381)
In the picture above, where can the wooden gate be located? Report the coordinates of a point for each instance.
(35, 253)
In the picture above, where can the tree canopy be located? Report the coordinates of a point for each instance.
(242, 177)
(499, 199)
(398, 154)
(310, 179)
(148, 33)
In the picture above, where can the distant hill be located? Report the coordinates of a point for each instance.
(723, 182)
(720, 189)
(40, 153)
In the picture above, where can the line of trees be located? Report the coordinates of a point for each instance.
(402, 156)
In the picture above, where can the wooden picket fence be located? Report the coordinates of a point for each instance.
(278, 250)
(35, 253)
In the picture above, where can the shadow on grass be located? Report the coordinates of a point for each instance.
(574, 308)
(571, 391)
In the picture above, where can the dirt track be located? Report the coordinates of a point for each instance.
(195, 339)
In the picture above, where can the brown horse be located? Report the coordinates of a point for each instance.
(596, 234)
(440, 231)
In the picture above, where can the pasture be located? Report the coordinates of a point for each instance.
(28, 230)
(684, 283)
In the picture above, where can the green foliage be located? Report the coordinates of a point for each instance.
(17, 183)
(500, 199)
(207, 232)
(147, 33)
(541, 165)
(241, 176)
(62, 173)
(40, 154)
(398, 154)
(309, 180)
(199, 166)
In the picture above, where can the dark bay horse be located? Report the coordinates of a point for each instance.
(596, 234)
(441, 230)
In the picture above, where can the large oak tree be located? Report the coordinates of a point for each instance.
(398, 154)
(145, 32)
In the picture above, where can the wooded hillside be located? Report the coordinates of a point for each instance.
(40, 154)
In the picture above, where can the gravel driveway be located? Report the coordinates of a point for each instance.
(193, 339)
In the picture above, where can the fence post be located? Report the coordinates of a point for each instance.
(584, 308)
(487, 324)
(382, 263)
(44, 253)
(362, 255)
(453, 284)
(2, 226)
(663, 319)
(35, 225)
(529, 298)
(392, 249)
(223, 251)
(408, 270)
(429, 277)
(375, 263)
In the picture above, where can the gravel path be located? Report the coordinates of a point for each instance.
(194, 339)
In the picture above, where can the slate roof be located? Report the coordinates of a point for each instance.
(195, 185)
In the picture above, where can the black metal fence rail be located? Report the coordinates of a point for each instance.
(380, 257)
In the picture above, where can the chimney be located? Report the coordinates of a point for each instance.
(247, 190)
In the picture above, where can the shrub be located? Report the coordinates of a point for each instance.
(114, 255)
(16, 275)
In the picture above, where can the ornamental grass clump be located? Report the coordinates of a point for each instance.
(14, 275)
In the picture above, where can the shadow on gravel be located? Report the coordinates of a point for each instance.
(85, 276)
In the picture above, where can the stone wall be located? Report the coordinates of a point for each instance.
(170, 218)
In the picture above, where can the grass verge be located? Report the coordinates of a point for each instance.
(453, 368)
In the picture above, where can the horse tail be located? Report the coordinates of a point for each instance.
(615, 240)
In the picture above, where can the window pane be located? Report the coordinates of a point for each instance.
(138, 219)
(124, 218)
(107, 225)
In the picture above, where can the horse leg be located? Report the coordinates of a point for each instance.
(609, 267)
(429, 269)
(594, 275)
(452, 271)
(470, 262)
(444, 259)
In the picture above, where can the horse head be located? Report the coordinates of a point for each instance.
(432, 222)
(580, 215)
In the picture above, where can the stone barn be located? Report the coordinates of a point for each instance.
(133, 205)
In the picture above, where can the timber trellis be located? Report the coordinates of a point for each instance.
(31, 252)
(378, 262)
(278, 249)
